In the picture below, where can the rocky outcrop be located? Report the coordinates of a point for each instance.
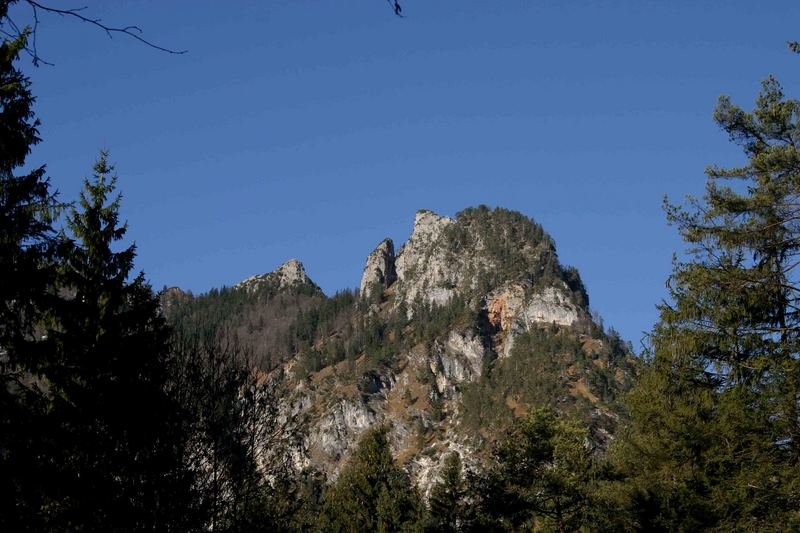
(338, 430)
(550, 306)
(379, 271)
(459, 359)
(289, 274)
(423, 268)
(469, 256)
(427, 470)
(394, 397)
(172, 297)
(516, 307)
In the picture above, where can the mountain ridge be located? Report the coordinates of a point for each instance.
(470, 324)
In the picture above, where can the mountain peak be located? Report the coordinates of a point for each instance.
(290, 274)
(471, 323)
(479, 251)
(428, 225)
(292, 271)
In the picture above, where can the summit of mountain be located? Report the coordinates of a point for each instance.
(289, 275)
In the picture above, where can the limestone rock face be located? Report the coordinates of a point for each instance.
(427, 470)
(340, 428)
(459, 359)
(289, 274)
(550, 306)
(516, 307)
(423, 267)
(379, 271)
(334, 431)
(444, 258)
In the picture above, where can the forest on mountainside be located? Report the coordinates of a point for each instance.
(127, 409)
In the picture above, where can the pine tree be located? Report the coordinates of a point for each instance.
(714, 439)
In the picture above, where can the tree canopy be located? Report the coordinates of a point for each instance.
(715, 437)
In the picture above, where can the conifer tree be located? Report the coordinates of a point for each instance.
(447, 502)
(27, 255)
(714, 439)
(27, 207)
(230, 415)
(372, 492)
(120, 435)
(540, 477)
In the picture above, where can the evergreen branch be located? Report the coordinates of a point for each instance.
(741, 281)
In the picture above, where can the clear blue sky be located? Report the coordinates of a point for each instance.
(314, 129)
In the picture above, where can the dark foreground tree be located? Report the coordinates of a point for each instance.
(28, 248)
(539, 478)
(447, 506)
(118, 437)
(372, 492)
(95, 434)
(235, 445)
(715, 435)
(27, 208)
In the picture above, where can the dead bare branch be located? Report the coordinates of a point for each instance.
(396, 6)
(132, 31)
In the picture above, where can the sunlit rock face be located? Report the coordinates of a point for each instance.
(459, 358)
(444, 258)
(379, 272)
(291, 273)
(424, 269)
(516, 307)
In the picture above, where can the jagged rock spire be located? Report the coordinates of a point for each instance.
(380, 268)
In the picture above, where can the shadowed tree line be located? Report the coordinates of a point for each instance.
(108, 421)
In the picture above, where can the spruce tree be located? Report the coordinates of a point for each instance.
(540, 477)
(446, 507)
(120, 435)
(88, 440)
(372, 492)
(28, 247)
(714, 439)
(27, 205)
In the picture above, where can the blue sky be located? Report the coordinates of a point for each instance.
(314, 129)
